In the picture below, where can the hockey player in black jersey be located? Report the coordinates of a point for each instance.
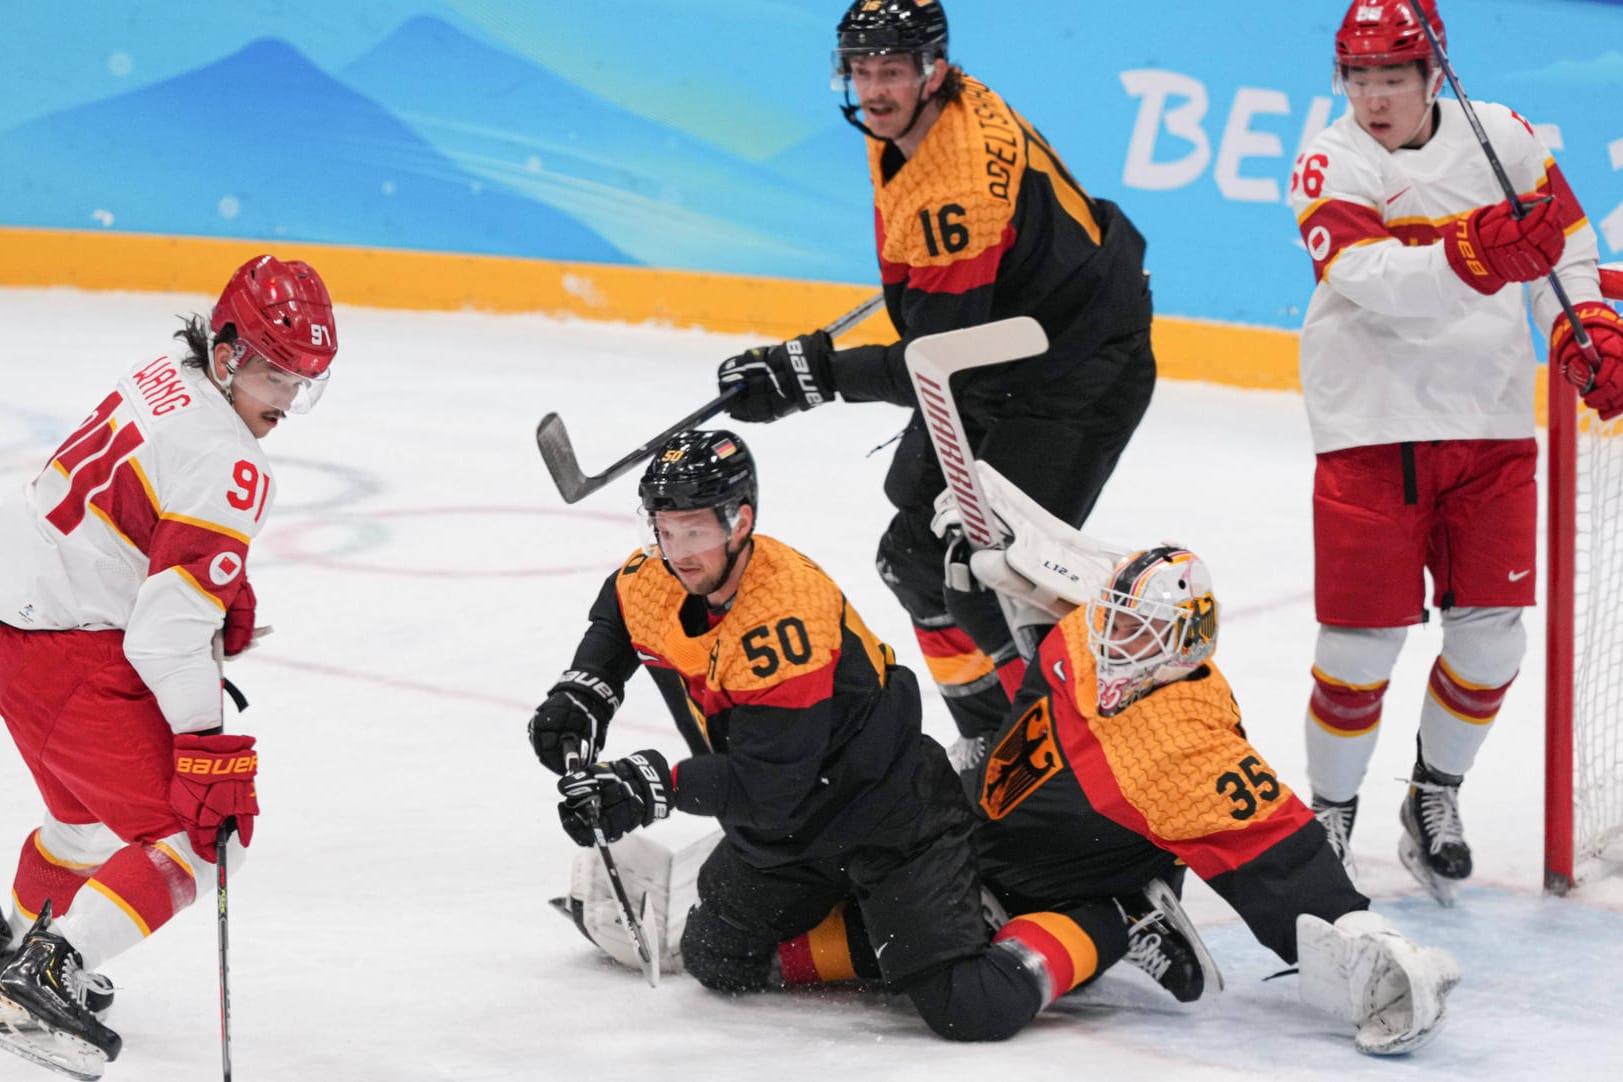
(977, 220)
(805, 745)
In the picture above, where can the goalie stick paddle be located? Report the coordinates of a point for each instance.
(647, 951)
(574, 483)
(1579, 335)
(931, 362)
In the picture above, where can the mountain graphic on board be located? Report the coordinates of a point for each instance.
(664, 196)
(263, 144)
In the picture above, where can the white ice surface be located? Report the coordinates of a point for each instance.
(427, 584)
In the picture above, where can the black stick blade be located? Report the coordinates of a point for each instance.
(559, 455)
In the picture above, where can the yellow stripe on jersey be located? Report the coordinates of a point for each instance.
(187, 577)
(965, 668)
(1070, 196)
(129, 911)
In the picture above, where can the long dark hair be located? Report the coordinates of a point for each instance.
(194, 331)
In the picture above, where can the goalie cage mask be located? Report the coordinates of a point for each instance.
(1154, 622)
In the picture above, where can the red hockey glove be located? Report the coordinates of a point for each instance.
(1490, 246)
(213, 782)
(1602, 385)
(239, 621)
(1611, 284)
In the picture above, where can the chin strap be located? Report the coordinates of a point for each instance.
(238, 351)
(850, 110)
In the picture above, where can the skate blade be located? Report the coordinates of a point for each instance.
(1444, 891)
(49, 1048)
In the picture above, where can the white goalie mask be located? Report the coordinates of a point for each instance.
(1154, 622)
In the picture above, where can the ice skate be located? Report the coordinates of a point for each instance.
(1337, 816)
(1163, 942)
(98, 988)
(1433, 844)
(44, 1016)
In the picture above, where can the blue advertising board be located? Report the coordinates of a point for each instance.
(703, 134)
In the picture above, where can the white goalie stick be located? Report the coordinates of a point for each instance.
(637, 925)
(559, 454)
(1579, 335)
(931, 362)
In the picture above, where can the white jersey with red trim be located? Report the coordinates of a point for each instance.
(141, 521)
(1395, 347)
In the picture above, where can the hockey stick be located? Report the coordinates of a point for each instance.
(1579, 335)
(221, 843)
(931, 362)
(647, 950)
(559, 454)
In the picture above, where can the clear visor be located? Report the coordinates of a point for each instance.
(268, 382)
(878, 71)
(677, 535)
(1390, 82)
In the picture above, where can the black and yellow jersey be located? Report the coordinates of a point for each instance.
(804, 730)
(985, 222)
(1080, 805)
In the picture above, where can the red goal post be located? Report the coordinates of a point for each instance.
(1583, 757)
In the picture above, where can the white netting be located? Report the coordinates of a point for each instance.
(1597, 728)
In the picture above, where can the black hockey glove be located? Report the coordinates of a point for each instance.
(780, 380)
(619, 796)
(576, 713)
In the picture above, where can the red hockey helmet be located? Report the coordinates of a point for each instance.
(282, 312)
(1378, 33)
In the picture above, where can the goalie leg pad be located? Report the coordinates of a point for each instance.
(1362, 971)
(649, 871)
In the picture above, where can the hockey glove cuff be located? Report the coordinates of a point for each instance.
(576, 713)
(616, 797)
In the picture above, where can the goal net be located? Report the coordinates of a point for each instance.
(1584, 652)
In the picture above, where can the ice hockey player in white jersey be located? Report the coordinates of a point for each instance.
(1418, 373)
(123, 584)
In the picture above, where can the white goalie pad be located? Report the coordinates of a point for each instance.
(1044, 563)
(662, 885)
(1362, 971)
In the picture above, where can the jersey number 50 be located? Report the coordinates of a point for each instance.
(792, 641)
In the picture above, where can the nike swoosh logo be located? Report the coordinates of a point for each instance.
(1517, 576)
(1400, 195)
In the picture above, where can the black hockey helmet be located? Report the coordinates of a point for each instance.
(880, 27)
(697, 469)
